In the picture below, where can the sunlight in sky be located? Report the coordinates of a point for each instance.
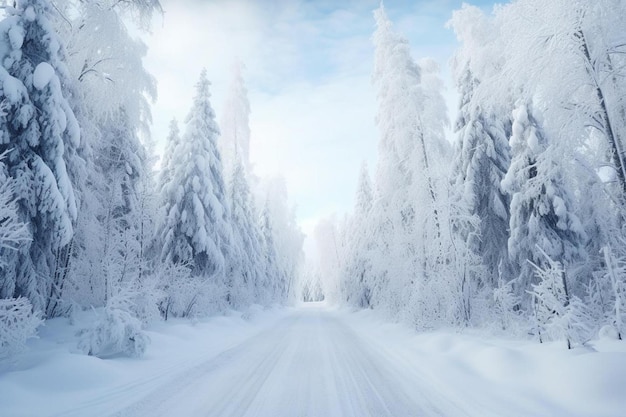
(308, 72)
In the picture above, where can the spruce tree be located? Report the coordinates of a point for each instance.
(194, 227)
(41, 134)
(482, 158)
(543, 208)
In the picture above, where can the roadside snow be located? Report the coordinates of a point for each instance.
(53, 378)
(500, 377)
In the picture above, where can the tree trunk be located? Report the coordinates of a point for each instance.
(611, 134)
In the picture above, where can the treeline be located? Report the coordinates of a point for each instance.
(83, 220)
(519, 225)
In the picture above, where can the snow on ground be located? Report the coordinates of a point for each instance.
(53, 379)
(495, 376)
(315, 361)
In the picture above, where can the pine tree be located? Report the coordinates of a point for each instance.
(356, 275)
(194, 227)
(267, 289)
(409, 216)
(13, 233)
(482, 158)
(283, 238)
(248, 260)
(543, 214)
(167, 161)
(42, 135)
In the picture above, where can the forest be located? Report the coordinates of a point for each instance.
(517, 226)
(88, 221)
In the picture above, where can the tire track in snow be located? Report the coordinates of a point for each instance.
(311, 363)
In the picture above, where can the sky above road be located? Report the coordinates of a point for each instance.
(308, 73)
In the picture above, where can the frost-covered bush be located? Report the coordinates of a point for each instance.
(18, 323)
(117, 331)
(189, 296)
(506, 304)
(616, 277)
(558, 314)
(179, 290)
(145, 299)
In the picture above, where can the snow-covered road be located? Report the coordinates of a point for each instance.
(313, 360)
(311, 363)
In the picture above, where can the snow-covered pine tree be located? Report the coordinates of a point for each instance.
(581, 66)
(543, 209)
(267, 288)
(482, 158)
(111, 101)
(248, 264)
(410, 211)
(167, 160)
(194, 227)
(42, 135)
(122, 163)
(283, 238)
(13, 233)
(356, 275)
(329, 250)
(397, 78)
(247, 269)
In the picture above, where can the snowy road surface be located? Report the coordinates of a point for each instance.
(310, 364)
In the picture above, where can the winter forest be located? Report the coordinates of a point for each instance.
(518, 225)
(87, 220)
(509, 219)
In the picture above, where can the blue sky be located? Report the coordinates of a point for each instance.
(308, 73)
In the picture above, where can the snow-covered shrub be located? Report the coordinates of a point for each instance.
(616, 277)
(506, 304)
(145, 299)
(608, 332)
(117, 331)
(179, 289)
(558, 314)
(191, 296)
(211, 298)
(18, 323)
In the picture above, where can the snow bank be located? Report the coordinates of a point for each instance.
(52, 378)
(490, 376)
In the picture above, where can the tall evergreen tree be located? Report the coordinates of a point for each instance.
(267, 289)
(357, 274)
(407, 216)
(42, 135)
(195, 227)
(482, 158)
(543, 208)
(248, 268)
(167, 161)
